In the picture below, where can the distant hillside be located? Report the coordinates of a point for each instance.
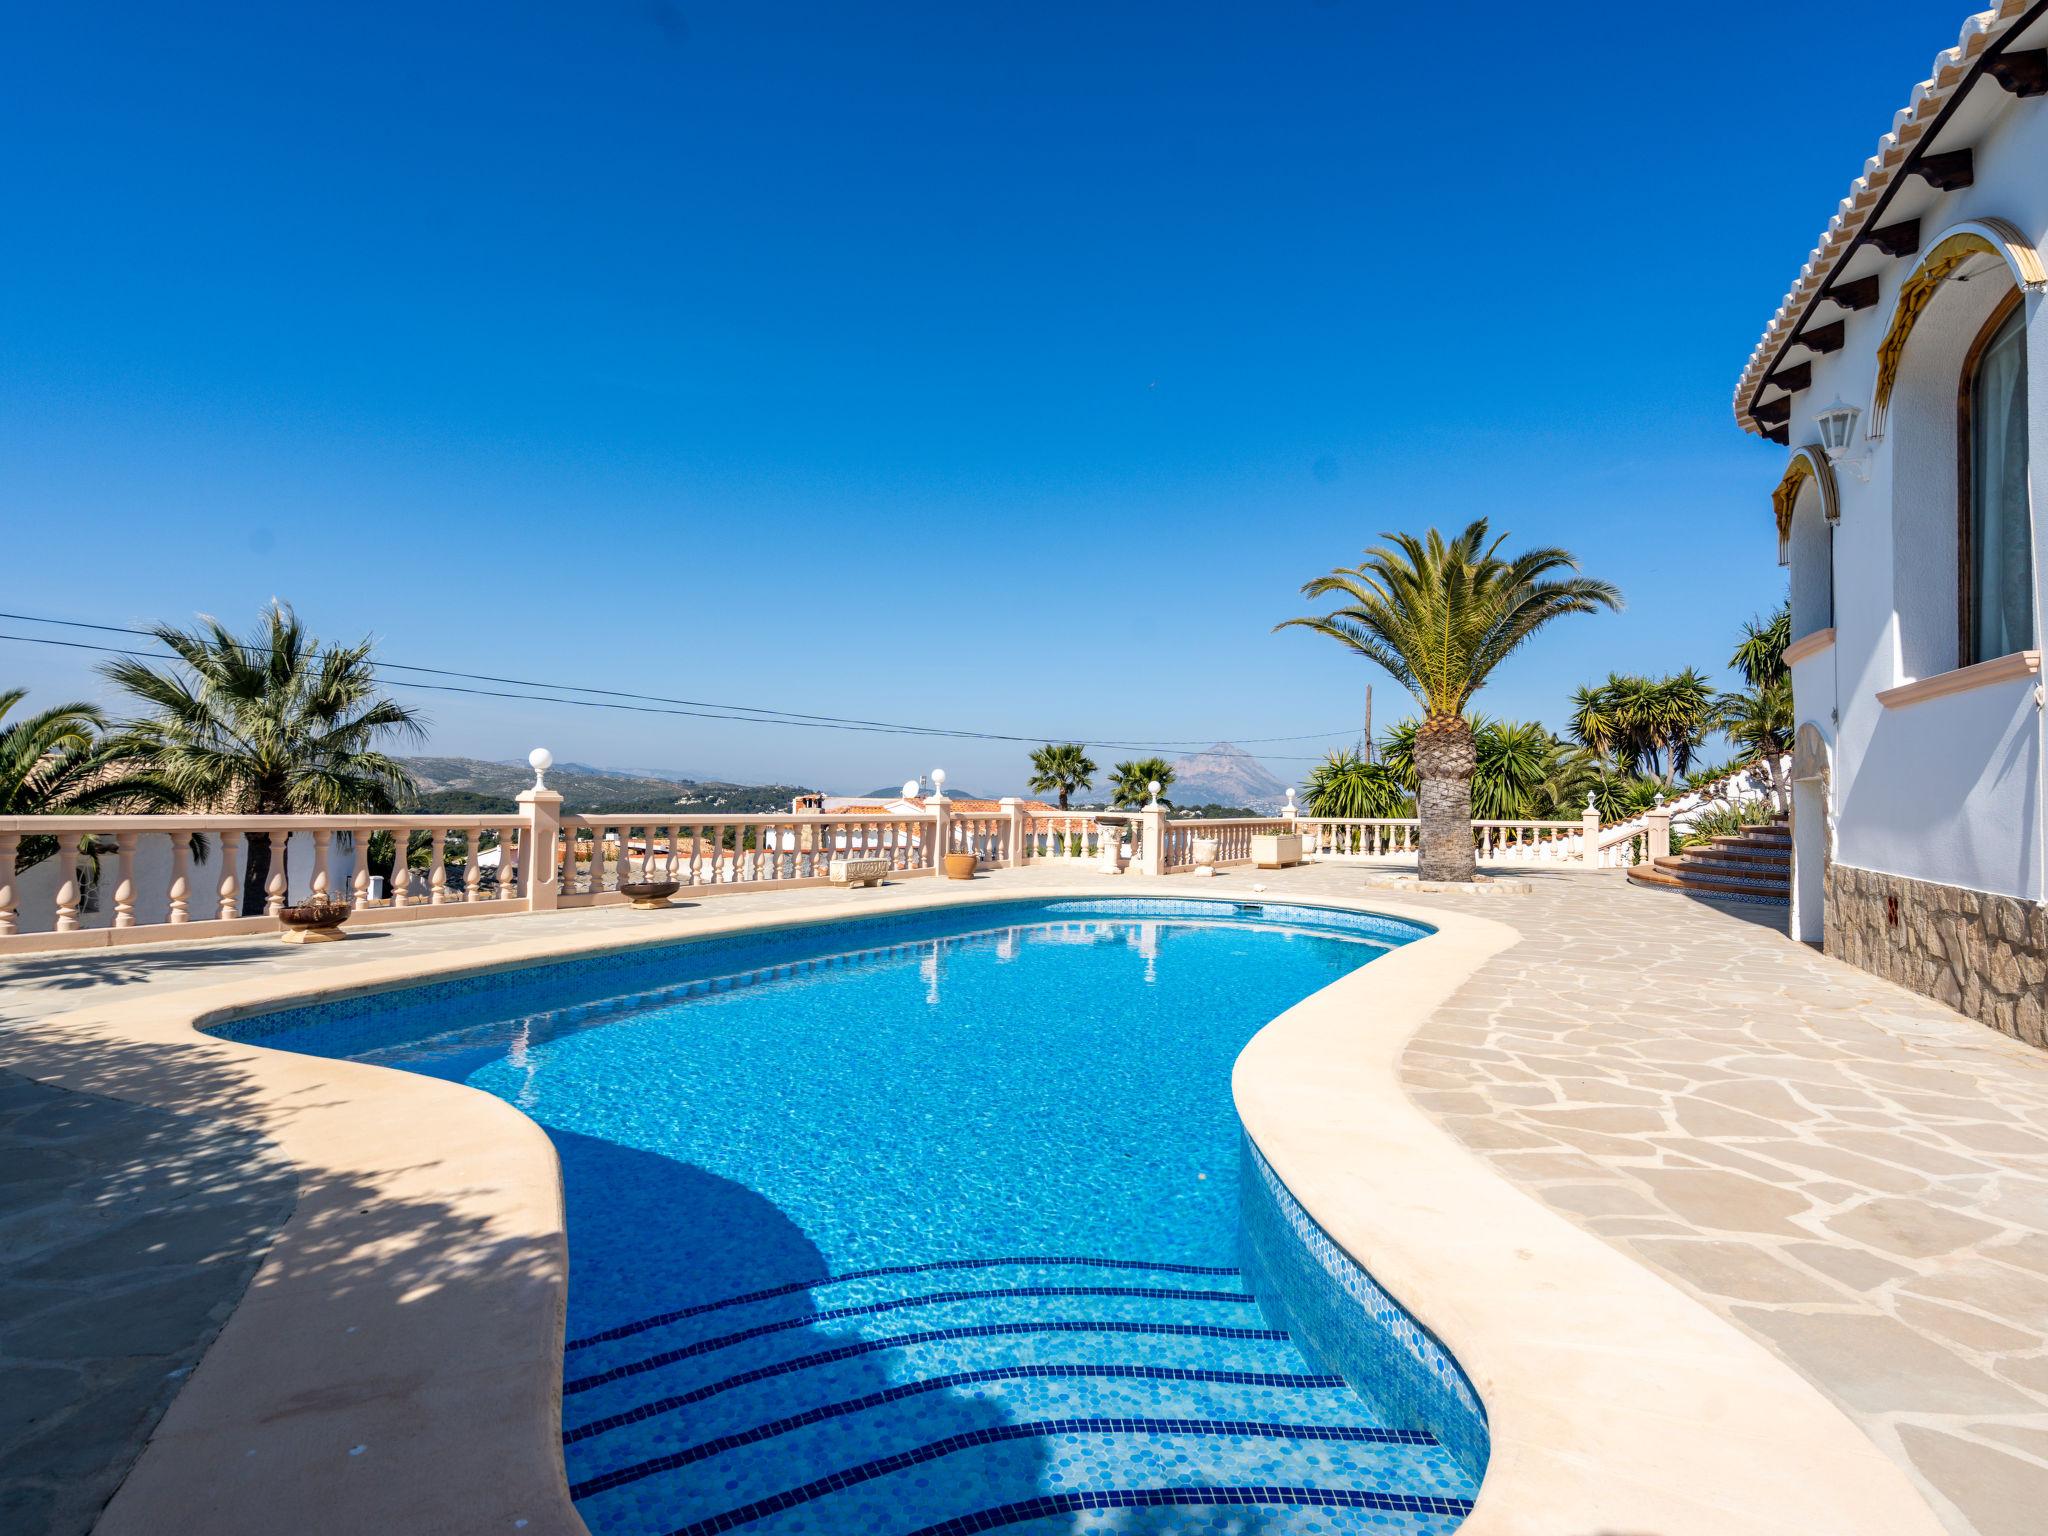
(1226, 775)
(453, 785)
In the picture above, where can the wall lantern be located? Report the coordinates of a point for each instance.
(1837, 429)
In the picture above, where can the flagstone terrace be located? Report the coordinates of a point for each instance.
(1850, 1174)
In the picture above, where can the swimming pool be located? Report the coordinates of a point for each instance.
(932, 1223)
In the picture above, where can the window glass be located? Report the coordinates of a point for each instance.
(2001, 573)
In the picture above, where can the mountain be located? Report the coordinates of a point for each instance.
(1228, 775)
(458, 784)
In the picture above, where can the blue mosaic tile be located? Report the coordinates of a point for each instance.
(1346, 1322)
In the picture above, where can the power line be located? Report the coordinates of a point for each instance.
(612, 702)
(756, 714)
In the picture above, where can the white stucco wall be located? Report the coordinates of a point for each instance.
(1950, 789)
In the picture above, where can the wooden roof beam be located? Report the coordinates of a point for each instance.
(1822, 338)
(1860, 294)
(1791, 380)
(1947, 173)
(2023, 74)
(1772, 412)
(1900, 239)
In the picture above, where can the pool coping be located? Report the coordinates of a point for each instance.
(374, 1404)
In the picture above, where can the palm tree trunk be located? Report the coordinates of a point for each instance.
(256, 876)
(1444, 761)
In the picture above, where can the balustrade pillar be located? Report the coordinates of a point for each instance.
(124, 880)
(10, 914)
(180, 893)
(230, 876)
(276, 889)
(1012, 849)
(67, 885)
(541, 845)
(1657, 830)
(1589, 833)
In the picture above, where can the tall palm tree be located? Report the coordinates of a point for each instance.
(1129, 781)
(272, 725)
(1439, 615)
(1060, 770)
(59, 762)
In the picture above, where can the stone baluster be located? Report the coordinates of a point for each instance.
(10, 912)
(437, 870)
(179, 896)
(323, 853)
(359, 881)
(473, 869)
(230, 876)
(508, 883)
(124, 879)
(67, 886)
(276, 889)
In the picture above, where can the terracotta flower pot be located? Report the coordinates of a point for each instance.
(649, 895)
(960, 866)
(313, 922)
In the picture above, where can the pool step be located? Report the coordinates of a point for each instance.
(983, 1390)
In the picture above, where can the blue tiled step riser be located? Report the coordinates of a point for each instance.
(857, 1277)
(1430, 1516)
(1136, 1454)
(816, 1369)
(636, 1355)
(911, 1413)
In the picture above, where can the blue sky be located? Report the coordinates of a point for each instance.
(1003, 368)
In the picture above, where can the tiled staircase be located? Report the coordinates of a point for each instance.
(979, 1395)
(1754, 864)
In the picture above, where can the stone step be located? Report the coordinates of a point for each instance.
(1714, 866)
(1676, 880)
(1748, 853)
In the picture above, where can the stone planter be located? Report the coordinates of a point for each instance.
(313, 922)
(649, 895)
(1206, 850)
(960, 866)
(1276, 850)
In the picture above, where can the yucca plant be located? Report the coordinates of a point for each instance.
(1347, 786)
(1439, 615)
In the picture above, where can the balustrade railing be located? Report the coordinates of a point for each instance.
(601, 853)
(122, 879)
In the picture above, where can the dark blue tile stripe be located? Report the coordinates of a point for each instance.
(895, 1304)
(1180, 1498)
(662, 1320)
(904, 1341)
(997, 1434)
(632, 1474)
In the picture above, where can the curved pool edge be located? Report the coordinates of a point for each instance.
(1596, 1375)
(267, 1423)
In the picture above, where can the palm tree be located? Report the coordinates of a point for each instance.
(59, 762)
(1511, 759)
(1348, 786)
(1129, 781)
(1060, 770)
(1760, 657)
(1439, 615)
(272, 725)
(1635, 721)
(1758, 722)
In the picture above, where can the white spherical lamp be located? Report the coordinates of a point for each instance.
(938, 783)
(540, 760)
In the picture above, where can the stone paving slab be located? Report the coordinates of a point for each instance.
(1851, 1173)
(127, 1236)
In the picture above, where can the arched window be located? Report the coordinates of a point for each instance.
(1997, 565)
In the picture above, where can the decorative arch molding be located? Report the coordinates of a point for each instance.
(1807, 464)
(1957, 246)
(1809, 753)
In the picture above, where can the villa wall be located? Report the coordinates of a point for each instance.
(1981, 953)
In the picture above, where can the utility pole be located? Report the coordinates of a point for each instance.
(1368, 722)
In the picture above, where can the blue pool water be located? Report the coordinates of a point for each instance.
(926, 1223)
